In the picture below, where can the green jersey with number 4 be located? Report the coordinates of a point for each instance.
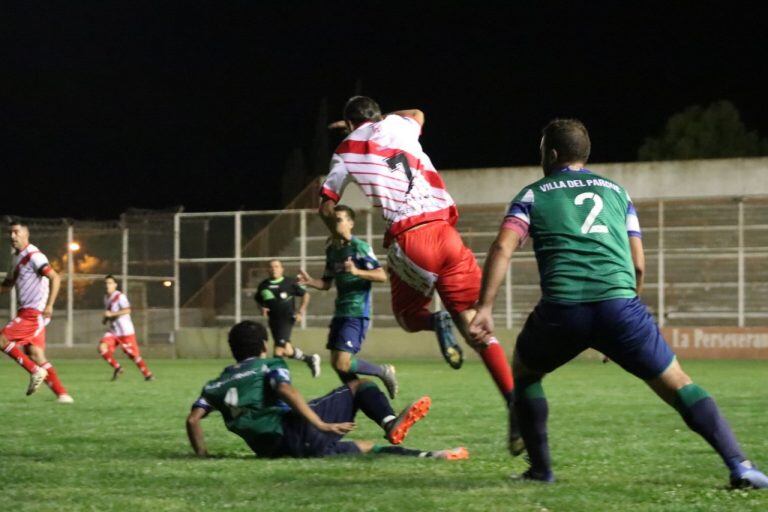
(580, 224)
(245, 395)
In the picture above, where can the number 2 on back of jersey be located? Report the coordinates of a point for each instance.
(589, 225)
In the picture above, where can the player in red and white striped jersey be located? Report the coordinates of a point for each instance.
(383, 155)
(117, 313)
(37, 286)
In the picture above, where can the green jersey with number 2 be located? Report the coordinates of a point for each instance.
(580, 224)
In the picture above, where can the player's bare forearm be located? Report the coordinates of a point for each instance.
(328, 214)
(195, 431)
(638, 259)
(377, 275)
(414, 113)
(496, 264)
(55, 282)
(120, 312)
(293, 398)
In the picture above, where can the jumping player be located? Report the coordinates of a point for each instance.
(382, 154)
(117, 313)
(37, 286)
(276, 296)
(589, 251)
(352, 265)
(258, 403)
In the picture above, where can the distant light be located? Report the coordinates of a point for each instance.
(74, 246)
(167, 284)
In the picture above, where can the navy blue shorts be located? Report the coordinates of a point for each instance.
(347, 334)
(300, 439)
(622, 329)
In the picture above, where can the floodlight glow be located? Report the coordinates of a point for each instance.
(167, 284)
(74, 246)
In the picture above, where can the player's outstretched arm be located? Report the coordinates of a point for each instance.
(494, 272)
(638, 258)
(293, 398)
(328, 214)
(414, 113)
(305, 279)
(195, 431)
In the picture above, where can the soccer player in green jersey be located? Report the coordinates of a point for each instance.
(352, 265)
(588, 246)
(258, 403)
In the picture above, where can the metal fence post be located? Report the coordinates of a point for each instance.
(124, 269)
(176, 281)
(742, 269)
(660, 272)
(303, 251)
(69, 332)
(238, 267)
(369, 240)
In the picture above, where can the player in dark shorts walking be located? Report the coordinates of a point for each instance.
(276, 296)
(589, 250)
(258, 403)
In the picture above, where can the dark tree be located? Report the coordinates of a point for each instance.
(712, 132)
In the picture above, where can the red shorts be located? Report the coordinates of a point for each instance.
(127, 343)
(27, 328)
(429, 258)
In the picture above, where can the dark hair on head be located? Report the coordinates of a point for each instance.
(16, 221)
(360, 109)
(344, 208)
(247, 339)
(110, 276)
(569, 137)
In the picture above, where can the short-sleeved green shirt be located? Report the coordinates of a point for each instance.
(580, 224)
(354, 293)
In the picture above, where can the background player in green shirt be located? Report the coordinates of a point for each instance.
(258, 403)
(276, 297)
(589, 251)
(352, 265)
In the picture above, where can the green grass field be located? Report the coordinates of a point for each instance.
(122, 446)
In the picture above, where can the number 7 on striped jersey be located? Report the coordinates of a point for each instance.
(399, 162)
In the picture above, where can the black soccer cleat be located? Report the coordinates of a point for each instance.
(515, 442)
(117, 373)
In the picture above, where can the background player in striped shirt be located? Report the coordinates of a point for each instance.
(259, 403)
(382, 154)
(589, 251)
(352, 266)
(37, 286)
(117, 314)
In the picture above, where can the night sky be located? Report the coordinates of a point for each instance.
(118, 104)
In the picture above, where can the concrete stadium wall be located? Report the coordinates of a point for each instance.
(643, 180)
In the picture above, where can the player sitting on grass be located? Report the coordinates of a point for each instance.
(259, 404)
(353, 266)
(589, 250)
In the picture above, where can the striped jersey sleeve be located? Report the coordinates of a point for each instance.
(518, 217)
(633, 223)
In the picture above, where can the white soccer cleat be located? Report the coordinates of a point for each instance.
(314, 365)
(65, 399)
(36, 379)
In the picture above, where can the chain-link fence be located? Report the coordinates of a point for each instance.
(706, 261)
(137, 250)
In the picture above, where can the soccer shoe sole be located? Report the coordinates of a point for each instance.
(36, 379)
(406, 419)
(451, 350)
(390, 380)
(314, 365)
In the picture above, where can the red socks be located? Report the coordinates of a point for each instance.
(107, 355)
(20, 357)
(53, 380)
(142, 366)
(496, 361)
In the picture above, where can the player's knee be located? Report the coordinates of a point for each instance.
(341, 365)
